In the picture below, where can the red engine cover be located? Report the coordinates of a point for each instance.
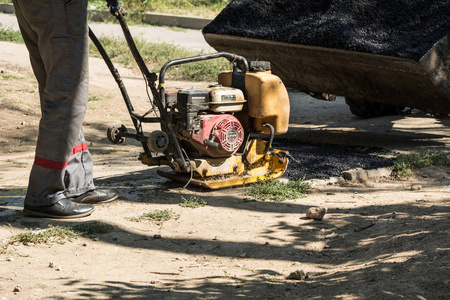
(220, 135)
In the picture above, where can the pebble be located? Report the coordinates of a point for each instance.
(298, 275)
(157, 236)
(331, 235)
(17, 288)
(316, 213)
(416, 187)
(51, 265)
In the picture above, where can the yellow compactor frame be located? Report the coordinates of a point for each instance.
(255, 164)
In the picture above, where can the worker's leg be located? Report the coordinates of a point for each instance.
(78, 177)
(56, 34)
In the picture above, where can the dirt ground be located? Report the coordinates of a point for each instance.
(380, 239)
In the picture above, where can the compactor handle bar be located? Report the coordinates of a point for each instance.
(240, 60)
(113, 4)
(237, 60)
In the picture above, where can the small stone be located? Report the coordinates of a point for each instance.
(342, 181)
(58, 268)
(243, 255)
(157, 236)
(23, 123)
(298, 275)
(331, 235)
(84, 244)
(416, 187)
(10, 259)
(422, 200)
(357, 174)
(316, 213)
(17, 288)
(51, 265)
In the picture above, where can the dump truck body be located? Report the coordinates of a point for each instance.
(392, 52)
(422, 84)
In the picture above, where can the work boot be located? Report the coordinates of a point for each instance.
(97, 196)
(63, 209)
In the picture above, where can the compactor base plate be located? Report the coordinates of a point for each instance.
(232, 171)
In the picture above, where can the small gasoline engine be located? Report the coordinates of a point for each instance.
(205, 123)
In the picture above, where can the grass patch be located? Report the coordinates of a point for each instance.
(155, 56)
(92, 228)
(10, 35)
(60, 234)
(94, 98)
(4, 249)
(192, 202)
(156, 216)
(9, 77)
(405, 164)
(273, 189)
(202, 8)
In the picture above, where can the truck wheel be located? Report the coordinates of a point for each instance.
(369, 109)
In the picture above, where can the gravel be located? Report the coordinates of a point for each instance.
(400, 28)
(325, 161)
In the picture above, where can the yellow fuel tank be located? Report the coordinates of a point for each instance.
(267, 99)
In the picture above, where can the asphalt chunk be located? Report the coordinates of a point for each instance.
(325, 161)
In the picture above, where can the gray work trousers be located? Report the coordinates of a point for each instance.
(56, 35)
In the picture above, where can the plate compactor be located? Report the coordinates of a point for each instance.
(217, 136)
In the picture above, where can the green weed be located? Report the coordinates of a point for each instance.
(193, 202)
(4, 249)
(9, 77)
(156, 216)
(92, 228)
(10, 35)
(60, 234)
(204, 8)
(405, 164)
(93, 98)
(273, 189)
(155, 56)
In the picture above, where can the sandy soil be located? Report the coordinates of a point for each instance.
(379, 240)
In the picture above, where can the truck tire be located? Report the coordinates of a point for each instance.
(369, 109)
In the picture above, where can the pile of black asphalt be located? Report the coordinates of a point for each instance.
(324, 161)
(399, 28)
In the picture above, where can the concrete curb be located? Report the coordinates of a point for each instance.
(7, 8)
(146, 18)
